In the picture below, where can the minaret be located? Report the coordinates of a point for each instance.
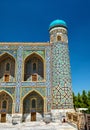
(62, 99)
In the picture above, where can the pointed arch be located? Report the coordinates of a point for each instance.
(34, 67)
(33, 101)
(34, 53)
(7, 67)
(31, 92)
(1, 91)
(6, 102)
(6, 54)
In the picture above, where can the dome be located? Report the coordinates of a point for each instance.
(57, 23)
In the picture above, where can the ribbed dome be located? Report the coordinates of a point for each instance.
(57, 23)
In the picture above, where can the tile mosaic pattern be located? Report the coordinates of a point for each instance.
(26, 90)
(61, 76)
(9, 51)
(28, 52)
(57, 85)
(19, 77)
(62, 98)
(10, 90)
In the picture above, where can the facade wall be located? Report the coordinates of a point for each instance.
(18, 88)
(54, 79)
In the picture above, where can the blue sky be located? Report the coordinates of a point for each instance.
(28, 20)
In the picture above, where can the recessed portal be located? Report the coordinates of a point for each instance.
(33, 105)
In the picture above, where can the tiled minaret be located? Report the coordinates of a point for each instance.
(60, 65)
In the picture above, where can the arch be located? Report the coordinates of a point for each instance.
(59, 38)
(31, 92)
(6, 102)
(34, 53)
(1, 91)
(6, 54)
(7, 66)
(33, 102)
(34, 64)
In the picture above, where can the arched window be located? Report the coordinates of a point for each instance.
(34, 67)
(33, 103)
(8, 67)
(4, 104)
(58, 38)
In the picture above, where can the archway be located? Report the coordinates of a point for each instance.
(7, 68)
(34, 68)
(33, 106)
(5, 105)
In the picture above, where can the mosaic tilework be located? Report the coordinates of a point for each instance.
(11, 52)
(9, 84)
(57, 75)
(10, 90)
(28, 52)
(19, 77)
(61, 76)
(25, 90)
(62, 97)
(34, 84)
(48, 77)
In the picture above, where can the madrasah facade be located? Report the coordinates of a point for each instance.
(35, 77)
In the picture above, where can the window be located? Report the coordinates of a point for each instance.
(58, 38)
(6, 78)
(7, 67)
(33, 103)
(4, 104)
(34, 67)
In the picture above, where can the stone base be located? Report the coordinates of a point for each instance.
(27, 117)
(16, 118)
(47, 118)
(60, 114)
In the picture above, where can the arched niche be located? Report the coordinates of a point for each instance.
(6, 102)
(7, 67)
(34, 68)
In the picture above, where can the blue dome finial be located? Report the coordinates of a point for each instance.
(58, 23)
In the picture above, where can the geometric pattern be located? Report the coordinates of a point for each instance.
(62, 98)
(10, 90)
(42, 91)
(29, 52)
(61, 76)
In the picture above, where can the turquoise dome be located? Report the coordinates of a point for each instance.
(57, 23)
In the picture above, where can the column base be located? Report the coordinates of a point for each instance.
(16, 118)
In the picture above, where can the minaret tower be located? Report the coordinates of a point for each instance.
(62, 99)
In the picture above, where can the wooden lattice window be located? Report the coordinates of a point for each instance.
(6, 78)
(34, 77)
